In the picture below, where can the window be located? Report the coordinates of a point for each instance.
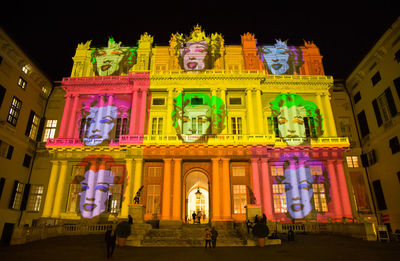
(276, 170)
(236, 125)
(352, 161)
(45, 91)
(368, 159)
(319, 198)
(158, 101)
(32, 126)
(21, 83)
(157, 126)
(121, 127)
(74, 198)
(309, 126)
(380, 197)
(394, 145)
(396, 85)
(316, 170)
(273, 126)
(362, 121)
(50, 130)
(26, 69)
(2, 94)
(238, 171)
(154, 172)
(2, 183)
(384, 107)
(115, 198)
(27, 161)
(345, 127)
(196, 101)
(15, 109)
(6, 150)
(357, 97)
(397, 56)
(376, 78)
(16, 197)
(35, 198)
(398, 177)
(239, 199)
(279, 194)
(235, 101)
(153, 199)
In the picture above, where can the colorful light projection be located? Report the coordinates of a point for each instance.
(302, 186)
(114, 59)
(103, 119)
(197, 115)
(101, 185)
(296, 119)
(280, 58)
(197, 52)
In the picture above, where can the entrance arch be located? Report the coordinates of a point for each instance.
(197, 196)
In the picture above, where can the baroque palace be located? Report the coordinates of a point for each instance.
(197, 126)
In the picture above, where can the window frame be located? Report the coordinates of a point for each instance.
(22, 83)
(14, 111)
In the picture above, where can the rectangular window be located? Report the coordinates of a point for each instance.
(352, 161)
(196, 101)
(2, 94)
(394, 145)
(154, 172)
(157, 126)
(27, 161)
(316, 170)
(121, 127)
(236, 125)
(319, 198)
(16, 197)
(357, 97)
(25, 69)
(2, 183)
(32, 126)
(14, 111)
(238, 171)
(115, 198)
(50, 130)
(380, 197)
(74, 198)
(153, 199)
(239, 199)
(235, 101)
(158, 101)
(362, 121)
(280, 205)
(22, 83)
(276, 170)
(397, 56)
(35, 198)
(6, 150)
(376, 78)
(396, 85)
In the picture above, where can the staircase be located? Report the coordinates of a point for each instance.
(187, 236)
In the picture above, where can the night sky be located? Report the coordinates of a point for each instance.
(50, 33)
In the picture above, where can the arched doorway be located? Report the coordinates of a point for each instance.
(197, 197)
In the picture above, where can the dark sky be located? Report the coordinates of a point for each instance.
(51, 32)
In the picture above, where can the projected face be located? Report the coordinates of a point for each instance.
(196, 121)
(194, 56)
(95, 192)
(108, 60)
(276, 57)
(291, 124)
(99, 125)
(298, 186)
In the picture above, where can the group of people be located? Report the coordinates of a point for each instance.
(197, 217)
(257, 219)
(211, 237)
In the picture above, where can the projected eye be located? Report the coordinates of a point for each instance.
(266, 51)
(186, 51)
(304, 186)
(288, 187)
(282, 51)
(282, 120)
(116, 53)
(102, 188)
(85, 187)
(106, 121)
(102, 53)
(200, 50)
(186, 119)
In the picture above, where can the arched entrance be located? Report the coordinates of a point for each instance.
(197, 197)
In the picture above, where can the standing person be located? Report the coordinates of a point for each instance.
(194, 217)
(214, 235)
(264, 219)
(110, 238)
(130, 219)
(208, 237)
(256, 219)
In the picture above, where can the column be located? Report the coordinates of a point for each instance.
(60, 190)
(128, 189)
(256, 180)
(329, 118)
(177, 200)
(132, 123)
(226, 191)
(322, 111)
(142, 115)
(267, 202)
(343, 190)
(51, 188)
(216, 201)
(138, 180)
(65, 117)
(260, 118)
(250, 112)
(335, 191)
(169, 112)
(223, 97)
(166, 192)
(213, 105)
(72, 117)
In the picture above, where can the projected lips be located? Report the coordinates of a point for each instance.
(192, 65)
(297, 207)
(89, 207)
(105, 67)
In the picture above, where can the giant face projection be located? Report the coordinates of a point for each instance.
(102, 120)
(197, 115)
(194, 55)
(306, 185)
(113, 59)
(280, 58)
(96, 183)
(296, 118)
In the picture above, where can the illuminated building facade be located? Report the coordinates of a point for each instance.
(197, 126)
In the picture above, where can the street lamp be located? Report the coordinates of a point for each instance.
(198, 193)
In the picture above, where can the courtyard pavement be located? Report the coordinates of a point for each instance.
(305, 247)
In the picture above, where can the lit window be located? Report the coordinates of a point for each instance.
(121, 127)
(154, 172)
(320, 198)
(279, 194)
(316, 170)
(44, 90)
(17, 195)
(352, 161)
(35, 198)
(34, 127)
(276, 170)
(15, 109)
(115, 198)
(236, 125)
(239, 199)
(153, 199)
(26, 69)
(74, 198)
(157, 126)
(50, 130)
(21, 83)
(238, 171)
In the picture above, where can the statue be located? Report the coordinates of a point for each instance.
(136, 199)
